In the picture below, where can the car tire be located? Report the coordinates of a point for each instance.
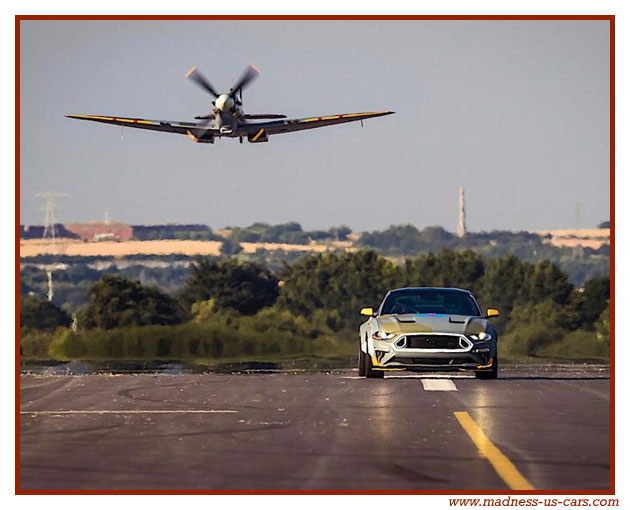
(493, 373)
(370, 373)
(362, 358)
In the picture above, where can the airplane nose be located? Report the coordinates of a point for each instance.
(224, 103)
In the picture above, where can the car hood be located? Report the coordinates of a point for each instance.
(432, 323)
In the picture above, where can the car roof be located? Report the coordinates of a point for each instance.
(441, 289)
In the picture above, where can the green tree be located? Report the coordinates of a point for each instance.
(594, 299)
(446, 269)
(116, 302)
(242, 286)
(397, 239)
(543, 281)
(436, 235)
(502, 283)
(264, 233)
(337, 284)
(340, 233)
(36, 313)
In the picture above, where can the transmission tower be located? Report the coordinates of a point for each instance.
(50, 232)
(461, 224)
(50, 198)
(51, 291)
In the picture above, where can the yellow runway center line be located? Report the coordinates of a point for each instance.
(501, 464)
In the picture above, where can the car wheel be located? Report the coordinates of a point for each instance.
(493, 373)
(362, 358)
(369, 369)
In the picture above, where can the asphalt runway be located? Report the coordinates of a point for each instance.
(543, 429)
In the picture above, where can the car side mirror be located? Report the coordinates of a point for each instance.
(367, 311)
(492, 312)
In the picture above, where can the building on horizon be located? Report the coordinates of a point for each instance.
(101, 231)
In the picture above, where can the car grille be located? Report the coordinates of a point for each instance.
(434, 342)
(433, 361)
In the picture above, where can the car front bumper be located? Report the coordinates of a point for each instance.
(476, 356)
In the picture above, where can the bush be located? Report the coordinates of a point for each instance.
(545, 313)
(577, 345)
(66, 345)
(272, 333)
(526, 340)
(602, 326)
(35, 343)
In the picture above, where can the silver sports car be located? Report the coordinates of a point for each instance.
(423, 328)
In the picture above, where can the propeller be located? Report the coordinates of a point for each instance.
(201, 80)
(250, 74)
(236, 92)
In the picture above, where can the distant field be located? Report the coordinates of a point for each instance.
(567, 238)
(34, 247)
(592, 238)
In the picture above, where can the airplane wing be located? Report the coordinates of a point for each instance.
(255, 132)
(168, 126)
(290, 125)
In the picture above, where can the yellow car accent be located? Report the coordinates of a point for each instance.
(367, 311)
(375, 362)
(486, 366)
(492, 312)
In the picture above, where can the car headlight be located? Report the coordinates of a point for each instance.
(381, 335)
(484, 335)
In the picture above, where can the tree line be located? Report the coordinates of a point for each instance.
(581, 263)
(536, 299)
(289, 233)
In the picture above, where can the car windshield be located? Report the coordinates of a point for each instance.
(430, 301)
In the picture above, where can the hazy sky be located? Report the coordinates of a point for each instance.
(517, 112)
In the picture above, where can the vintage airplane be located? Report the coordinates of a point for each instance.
(228, 119)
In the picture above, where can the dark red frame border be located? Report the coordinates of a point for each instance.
(610, 18)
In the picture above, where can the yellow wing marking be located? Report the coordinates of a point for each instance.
(342, 116)
(115, 119)
(91, 117)
(258, 135)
